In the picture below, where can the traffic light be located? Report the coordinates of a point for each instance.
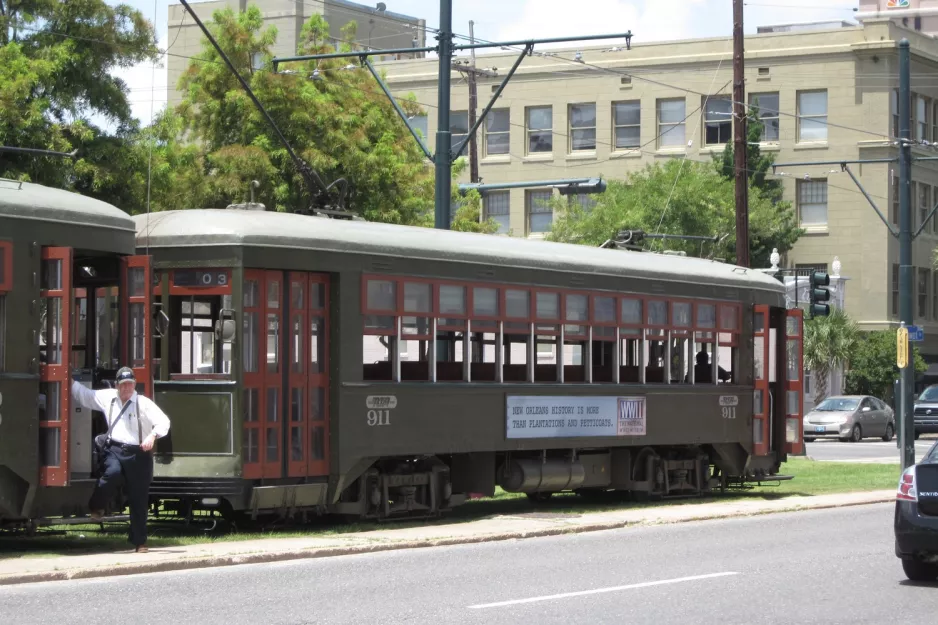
(593, 185)
(820, 279)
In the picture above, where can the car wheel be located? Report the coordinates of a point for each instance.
(919, 571)
(890, 431)
(856, 435)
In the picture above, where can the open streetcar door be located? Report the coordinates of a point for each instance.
(760, 398)
(794, 381)
(136, 319)
(55, 357)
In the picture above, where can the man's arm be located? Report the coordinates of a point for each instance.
(158, 420)
(86, 397)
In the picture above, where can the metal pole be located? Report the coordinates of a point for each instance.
(906, 427)
(741, 144)
(473, 103)
(444, 157)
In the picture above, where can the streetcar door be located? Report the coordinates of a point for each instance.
(794, 381)
(137, 320)
(55, 347)
(761, 422)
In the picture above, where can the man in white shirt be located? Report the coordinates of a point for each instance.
(134, 424)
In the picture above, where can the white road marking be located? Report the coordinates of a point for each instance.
(581, 593)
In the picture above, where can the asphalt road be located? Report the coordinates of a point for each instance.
(831, 566)
(868, 450)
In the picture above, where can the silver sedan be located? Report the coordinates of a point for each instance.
(850, 418)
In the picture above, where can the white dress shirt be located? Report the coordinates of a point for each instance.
(142, 410)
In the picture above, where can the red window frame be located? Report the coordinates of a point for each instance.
(6, 276)
(391, 312)
(676, 330)
(761, 412)
(429, 316)
(595, 323)
(572, 322)
(793, 420)
(632, 326)
(734, 333)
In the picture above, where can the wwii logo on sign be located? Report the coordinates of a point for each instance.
(631, 416)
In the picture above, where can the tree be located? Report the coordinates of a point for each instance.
(678, 197)
(56, 60)
(829, 342)
(873, 365)
(333, 114)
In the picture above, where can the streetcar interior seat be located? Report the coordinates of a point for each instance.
(200, 332)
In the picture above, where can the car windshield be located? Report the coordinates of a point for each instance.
(931, 457)
(929, 394)
(836, 404)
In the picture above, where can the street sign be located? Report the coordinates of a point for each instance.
(902, 347)
(916, 334)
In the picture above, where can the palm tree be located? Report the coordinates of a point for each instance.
(829, 342)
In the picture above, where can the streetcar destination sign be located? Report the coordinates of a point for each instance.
(574, 417)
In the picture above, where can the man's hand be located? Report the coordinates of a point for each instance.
(147, 443)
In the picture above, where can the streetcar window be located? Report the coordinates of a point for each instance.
(422, 330)
(3, 332)
(199, 335)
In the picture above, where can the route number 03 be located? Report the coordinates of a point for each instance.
(379, 417)
(729, 412)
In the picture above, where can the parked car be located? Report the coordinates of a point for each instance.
(850, 418)
(916, 519)
(925, 413)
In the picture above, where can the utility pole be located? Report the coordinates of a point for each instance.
(904, 234)
(473, 103)
(906, 423)
(446, 153)
(741, 147)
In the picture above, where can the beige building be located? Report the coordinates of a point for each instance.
(827, 93)
(377, 28)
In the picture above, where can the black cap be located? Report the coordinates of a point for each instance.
(125, 374)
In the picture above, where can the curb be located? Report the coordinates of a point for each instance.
(183, 564)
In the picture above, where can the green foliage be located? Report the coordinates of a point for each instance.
(342, 125)
(699, 201)
(873, 366)
(52, 84)
(829, 342)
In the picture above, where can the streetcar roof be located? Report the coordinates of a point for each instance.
(216, 227)
(26, 200)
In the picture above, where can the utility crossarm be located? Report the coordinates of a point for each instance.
(445, 153)
(571, 185)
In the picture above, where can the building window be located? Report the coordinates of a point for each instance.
(921, 118)
(671, 122)
(495, 205)
(497, 132)
(626, 122)
(924, 198)
(458, 127)
(718, 120)
(922, 293)
(586, 203)
(767, 105)
(421, 125)
(539, 126)
(895, 198)
(894, 105)
(582, 127)
(812, 116)
(540, 212)
(895, 290)
(812, 202)
(934, 296)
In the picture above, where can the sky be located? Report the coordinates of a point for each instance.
(503, 20)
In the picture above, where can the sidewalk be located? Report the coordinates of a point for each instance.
(36, 569)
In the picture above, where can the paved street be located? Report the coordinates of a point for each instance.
(784, 568)
(865, 451)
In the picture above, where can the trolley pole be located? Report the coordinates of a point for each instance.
(906, 426)
(741, 143)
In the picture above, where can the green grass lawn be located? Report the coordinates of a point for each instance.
(810, 478)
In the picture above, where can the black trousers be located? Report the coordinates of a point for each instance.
(130, 466)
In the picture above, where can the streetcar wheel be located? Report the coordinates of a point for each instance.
(539, 497)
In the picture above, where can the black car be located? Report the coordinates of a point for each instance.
(925, 412)
(916, 522)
